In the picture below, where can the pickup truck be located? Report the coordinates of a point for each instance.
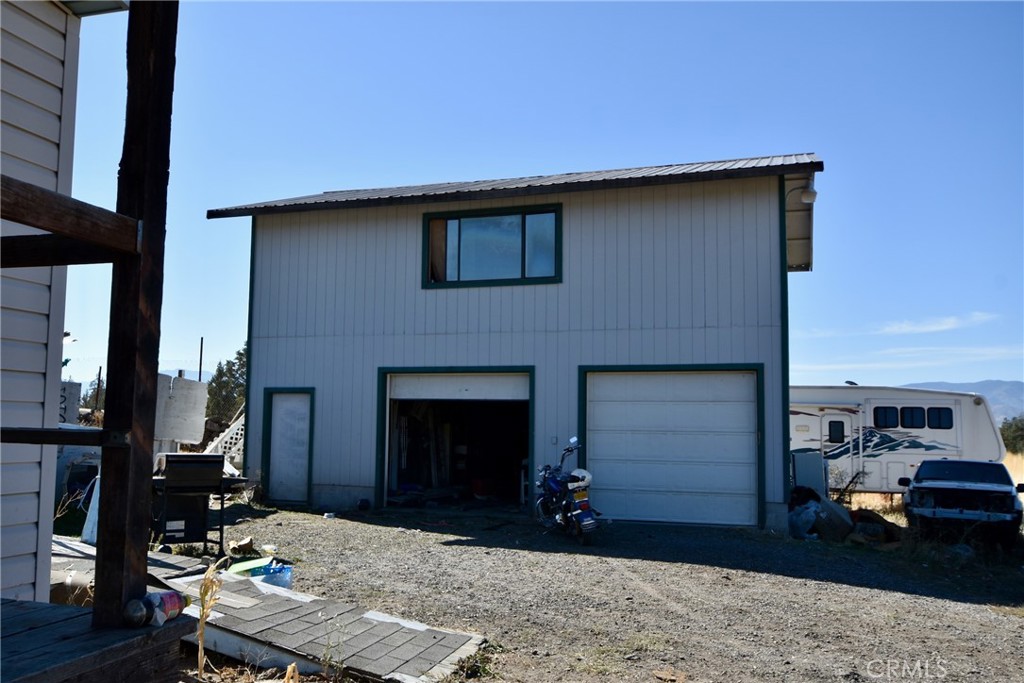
(966, 495)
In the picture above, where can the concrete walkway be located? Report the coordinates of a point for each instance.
(266, 625)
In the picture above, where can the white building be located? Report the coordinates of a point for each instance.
(39, 83)
(423, 340)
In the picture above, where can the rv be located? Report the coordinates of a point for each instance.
(866, 438)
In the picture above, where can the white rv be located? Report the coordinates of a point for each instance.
(879, 434)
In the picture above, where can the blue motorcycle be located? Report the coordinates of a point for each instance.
(563, 498)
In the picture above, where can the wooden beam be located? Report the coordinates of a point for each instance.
(59, 214)
(28, 251)
(136, 301)
(65, 437)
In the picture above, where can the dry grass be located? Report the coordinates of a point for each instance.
(1009, 610)
(1015, 463)
(889, 505)
(208, 590)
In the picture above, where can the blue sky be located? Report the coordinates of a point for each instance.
(917, 110)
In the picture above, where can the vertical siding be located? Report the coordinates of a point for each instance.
(38, 74)
(671, 275)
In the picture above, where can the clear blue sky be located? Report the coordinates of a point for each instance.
(916, 109)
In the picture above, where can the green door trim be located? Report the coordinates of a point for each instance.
(268, 413)
(756, 368)
(382, 406)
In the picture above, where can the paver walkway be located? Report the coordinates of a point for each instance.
(267, 625)
(262, 623)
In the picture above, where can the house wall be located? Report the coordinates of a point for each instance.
(38, 76)
(675, 274)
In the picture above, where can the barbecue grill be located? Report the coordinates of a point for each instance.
(182, 486)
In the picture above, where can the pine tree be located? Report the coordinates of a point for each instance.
(1013, 434)
(226, 389)
(96, 396)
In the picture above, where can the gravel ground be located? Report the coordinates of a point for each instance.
(662, 602)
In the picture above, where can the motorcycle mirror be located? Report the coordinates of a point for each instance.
(573, 441)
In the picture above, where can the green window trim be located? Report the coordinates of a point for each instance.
(525, 244)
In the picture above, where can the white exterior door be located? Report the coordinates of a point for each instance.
(291, 419)
(674, 446)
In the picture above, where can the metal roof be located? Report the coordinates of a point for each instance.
(533, 185)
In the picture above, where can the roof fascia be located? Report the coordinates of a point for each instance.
(533, 190)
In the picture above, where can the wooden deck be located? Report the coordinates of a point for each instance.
(253, 621)
(47, 643)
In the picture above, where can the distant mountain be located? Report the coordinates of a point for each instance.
(1005, 398)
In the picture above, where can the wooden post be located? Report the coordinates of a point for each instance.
(136, 300)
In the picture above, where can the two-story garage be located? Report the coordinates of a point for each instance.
(433, 341)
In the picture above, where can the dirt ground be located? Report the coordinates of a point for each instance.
(663, 602)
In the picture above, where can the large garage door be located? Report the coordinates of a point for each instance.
(674, 446)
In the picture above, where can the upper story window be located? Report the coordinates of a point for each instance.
(497, 247)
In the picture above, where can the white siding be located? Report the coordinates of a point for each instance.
(675, 275)
(38, 75)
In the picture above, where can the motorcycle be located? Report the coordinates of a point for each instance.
(563, 499)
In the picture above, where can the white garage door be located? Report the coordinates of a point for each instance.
(674, 446)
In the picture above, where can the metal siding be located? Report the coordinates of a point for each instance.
(338, 293)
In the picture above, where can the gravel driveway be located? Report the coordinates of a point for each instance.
(662, 602)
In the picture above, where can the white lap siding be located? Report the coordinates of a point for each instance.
(38, 72)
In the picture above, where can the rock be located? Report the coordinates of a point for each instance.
(243, 547)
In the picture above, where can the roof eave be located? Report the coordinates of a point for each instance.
(532, 190)
(90, 8)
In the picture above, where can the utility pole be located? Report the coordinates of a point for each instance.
(99, 388)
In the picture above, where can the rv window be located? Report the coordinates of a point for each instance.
(912, 418)
(886, 417)
(836, 433)
(940, 418)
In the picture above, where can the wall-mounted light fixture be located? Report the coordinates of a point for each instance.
(809, 194)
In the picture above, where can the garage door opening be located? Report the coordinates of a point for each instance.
(457, 451)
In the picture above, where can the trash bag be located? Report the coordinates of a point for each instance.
(802, 519)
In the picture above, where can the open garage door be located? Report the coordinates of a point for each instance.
(457, 437)
(674, 446)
